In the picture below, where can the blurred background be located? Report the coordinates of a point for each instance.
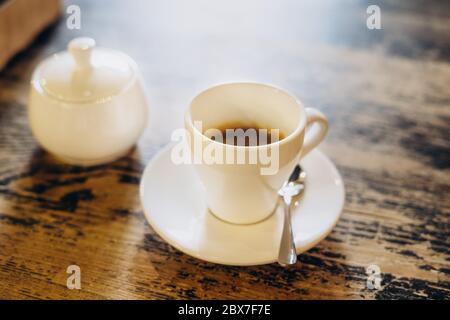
(322, 51)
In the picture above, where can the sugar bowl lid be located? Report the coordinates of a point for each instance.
(85, 73)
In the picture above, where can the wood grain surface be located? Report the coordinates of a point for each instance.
(386, 93)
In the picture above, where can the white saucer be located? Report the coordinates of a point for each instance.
(172, 198)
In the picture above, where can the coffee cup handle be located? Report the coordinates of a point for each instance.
(316, 130)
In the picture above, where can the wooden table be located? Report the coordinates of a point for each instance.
(386, 93)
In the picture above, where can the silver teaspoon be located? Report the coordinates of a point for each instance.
(287, 254)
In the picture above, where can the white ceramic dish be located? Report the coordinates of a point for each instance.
(87, 105)
(174, 205)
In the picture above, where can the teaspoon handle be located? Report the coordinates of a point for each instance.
(287, 254)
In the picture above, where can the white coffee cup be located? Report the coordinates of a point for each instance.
(245, 193)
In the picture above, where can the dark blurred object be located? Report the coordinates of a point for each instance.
(21, 21)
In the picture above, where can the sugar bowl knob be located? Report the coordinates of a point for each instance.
(81, 51)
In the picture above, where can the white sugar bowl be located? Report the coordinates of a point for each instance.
(87, 105)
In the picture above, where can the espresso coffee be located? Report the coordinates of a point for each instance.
(239, 134)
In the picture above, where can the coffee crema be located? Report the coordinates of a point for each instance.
(244, 135)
